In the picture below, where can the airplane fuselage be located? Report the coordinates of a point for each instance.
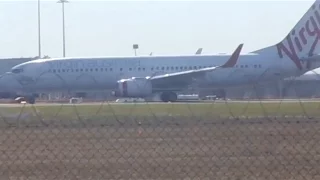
(85, 74)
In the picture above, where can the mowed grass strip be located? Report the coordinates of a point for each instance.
(220, 109)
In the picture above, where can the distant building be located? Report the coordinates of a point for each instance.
(8, 63)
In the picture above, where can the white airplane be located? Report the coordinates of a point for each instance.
(145, 76)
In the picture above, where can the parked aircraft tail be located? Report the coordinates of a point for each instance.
(199, 51)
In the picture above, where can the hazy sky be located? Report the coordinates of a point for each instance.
(109, 28)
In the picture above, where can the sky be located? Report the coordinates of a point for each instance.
(110, 28)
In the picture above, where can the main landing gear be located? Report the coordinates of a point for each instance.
(168, 97)
(31, 100)
(221, 94)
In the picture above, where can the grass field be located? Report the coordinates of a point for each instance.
(220, 109)
(160, 141)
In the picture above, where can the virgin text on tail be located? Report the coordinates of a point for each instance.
(299, 39)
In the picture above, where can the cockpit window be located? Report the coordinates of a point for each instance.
(16, 71)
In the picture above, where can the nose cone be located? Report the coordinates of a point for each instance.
(19, 66)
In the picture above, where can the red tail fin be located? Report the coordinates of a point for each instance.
(233, 58)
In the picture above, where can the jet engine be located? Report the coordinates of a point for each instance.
(134, 87)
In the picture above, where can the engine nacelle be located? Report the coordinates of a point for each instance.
(134, 87)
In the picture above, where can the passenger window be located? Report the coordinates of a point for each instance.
(157, 68)
(152, 69)
(98, 69)
(143, 69)
(138, 69)
(194, 67)
(54, 70)
(255, 66)
(172, 68)
(168, 68)
(181, 68)
(130, 69)
(110, 69)
(177, 68)
(162, 68)
(120, 69)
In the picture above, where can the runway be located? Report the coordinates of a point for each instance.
(175, 103)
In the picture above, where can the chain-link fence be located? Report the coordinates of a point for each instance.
(218, 139)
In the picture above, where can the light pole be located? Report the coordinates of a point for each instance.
(63, 27)
(39, 31)
(135, 47)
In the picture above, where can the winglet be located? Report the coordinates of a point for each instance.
(233, 58)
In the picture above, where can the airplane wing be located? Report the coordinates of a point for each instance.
(185, 78)
(199, 51)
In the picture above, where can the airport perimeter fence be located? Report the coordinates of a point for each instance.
(220, 139)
